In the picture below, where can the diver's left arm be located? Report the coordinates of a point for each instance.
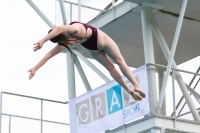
(56, 31)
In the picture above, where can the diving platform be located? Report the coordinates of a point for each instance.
(123, 24)
(159, 122)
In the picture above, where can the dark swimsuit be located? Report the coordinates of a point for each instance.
(91, 43)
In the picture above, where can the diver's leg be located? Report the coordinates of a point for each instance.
(112, 50)
(102, 58)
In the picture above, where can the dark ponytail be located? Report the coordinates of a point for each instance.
(63, 44)
(57, 39)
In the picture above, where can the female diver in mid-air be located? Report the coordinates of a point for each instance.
(98, 44)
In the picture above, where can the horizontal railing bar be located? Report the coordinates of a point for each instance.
(34, 119)
(186, 113)
(34, 97)
(84, 6)
(158, 65)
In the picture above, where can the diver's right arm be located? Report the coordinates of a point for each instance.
(57, 49)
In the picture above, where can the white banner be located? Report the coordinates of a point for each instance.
(108, 106)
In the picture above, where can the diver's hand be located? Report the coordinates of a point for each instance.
(32, 72)
(38, 45)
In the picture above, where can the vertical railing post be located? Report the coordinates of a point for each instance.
(0, 111)
(174, 99)
(161, 72)
(70, 12)
(41, 115)
(9, 124)
(79, 10)
(113, 5)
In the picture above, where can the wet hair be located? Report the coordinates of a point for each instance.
(58, 39)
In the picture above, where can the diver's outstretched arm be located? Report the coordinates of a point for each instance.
(57, 49)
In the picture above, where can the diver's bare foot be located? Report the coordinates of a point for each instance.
(135, 96)
(141, 93)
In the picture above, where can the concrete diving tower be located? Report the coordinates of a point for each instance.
(131, 27)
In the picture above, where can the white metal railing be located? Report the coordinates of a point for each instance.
(112, 4)
(30, 118)
(195, 94)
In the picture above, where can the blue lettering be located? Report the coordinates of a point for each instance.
(114, 99)
(130, 111)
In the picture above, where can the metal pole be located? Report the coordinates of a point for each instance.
(40, 13)
(62, 8)
(9, 124)
(95, 69)
(70, 13)
(41, 116)
(70, 75)
(147, 35)
(82, 74)
(174, 44)
(160, 81)
(113, 3)
(79, 10)
(180, 81)
(174, 99)
(0, 111)
(149, 57)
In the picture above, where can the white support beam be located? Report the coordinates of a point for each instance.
(82, 74)
(174, 44)
(147, 35)
(94, 68)
(48, 22)
(71, 75)
(62, 8)
(149, 57)
(120, 10)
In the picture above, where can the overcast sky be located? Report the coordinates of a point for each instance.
(21, 27)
